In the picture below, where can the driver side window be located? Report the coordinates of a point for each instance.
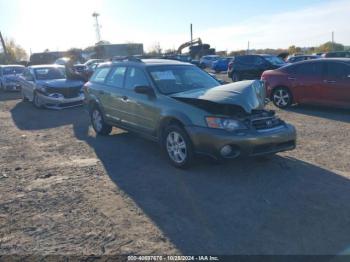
(28, 76)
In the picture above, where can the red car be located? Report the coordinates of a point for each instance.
(320, 82)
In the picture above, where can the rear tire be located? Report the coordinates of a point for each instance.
(282, 97)
(98, 122)
(177, 146)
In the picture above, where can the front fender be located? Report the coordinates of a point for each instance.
(172, 115)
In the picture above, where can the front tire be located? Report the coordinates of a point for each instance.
(37, 102)
(177, 146)
(23, 96)
(98, 123)
(282, 97)
(236, 77)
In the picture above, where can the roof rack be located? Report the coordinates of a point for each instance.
(125, 58)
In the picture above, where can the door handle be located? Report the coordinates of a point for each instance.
(329, 81)
(291, 78)
(125, 98)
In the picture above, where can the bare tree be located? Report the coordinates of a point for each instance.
(15, 52)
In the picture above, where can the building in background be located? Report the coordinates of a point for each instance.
(106, 51)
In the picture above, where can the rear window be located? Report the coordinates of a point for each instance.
(116, 77)
(249, 59)
(100, 75)
(13, 70)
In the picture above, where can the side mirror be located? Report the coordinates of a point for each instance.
(147, 90)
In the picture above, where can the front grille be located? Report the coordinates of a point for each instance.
(67, 92)
(266, 123)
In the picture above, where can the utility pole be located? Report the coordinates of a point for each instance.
(332, 40)
(248, 48)
(97, 26)
(191, 34)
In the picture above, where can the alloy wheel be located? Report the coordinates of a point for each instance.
(281, 97)
(97, 120)
(176, 147)
(37, 101)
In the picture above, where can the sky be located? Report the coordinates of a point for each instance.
(224, 24)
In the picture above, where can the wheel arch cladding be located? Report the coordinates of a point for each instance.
(177, 118)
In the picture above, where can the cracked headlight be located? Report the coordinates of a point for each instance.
(41, 89)
(224, 123)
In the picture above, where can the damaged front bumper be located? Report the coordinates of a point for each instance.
(61, 102)
(216, 142)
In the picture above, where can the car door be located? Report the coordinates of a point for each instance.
(244, 66)
(28, 84)
(260, 65)
(336, 84)
(101, 90)
(308, 82)
(115, 97)
(141, 107)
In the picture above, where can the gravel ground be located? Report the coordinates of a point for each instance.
(66, 191)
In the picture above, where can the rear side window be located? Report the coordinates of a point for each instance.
(116, 77)
(310, 69)
(337, 70)
(100, 75)
(249, 59)
(135, 77)
(258, 60)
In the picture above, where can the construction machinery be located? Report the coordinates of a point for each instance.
(197, 48)
(196, 41)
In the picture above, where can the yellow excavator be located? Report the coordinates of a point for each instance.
(196, 41)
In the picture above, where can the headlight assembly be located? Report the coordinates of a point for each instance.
(41, 89)
(224, 123)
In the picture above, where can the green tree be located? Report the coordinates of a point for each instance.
(329, 46)
(15, 53)
(294, 49)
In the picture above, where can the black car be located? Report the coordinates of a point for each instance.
(249, 67)
(298, 58)
(337, 54)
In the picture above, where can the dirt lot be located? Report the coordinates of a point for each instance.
(66, 191)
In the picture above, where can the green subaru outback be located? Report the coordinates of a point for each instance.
(185, 110)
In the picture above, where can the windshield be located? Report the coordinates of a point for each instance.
(175, 79)
(50, 73)
(275, 60)
(13, 70)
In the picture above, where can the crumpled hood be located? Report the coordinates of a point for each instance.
(61, 83)
(249, 95)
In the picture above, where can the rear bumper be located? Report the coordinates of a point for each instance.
(61, 102)
(251, 143)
